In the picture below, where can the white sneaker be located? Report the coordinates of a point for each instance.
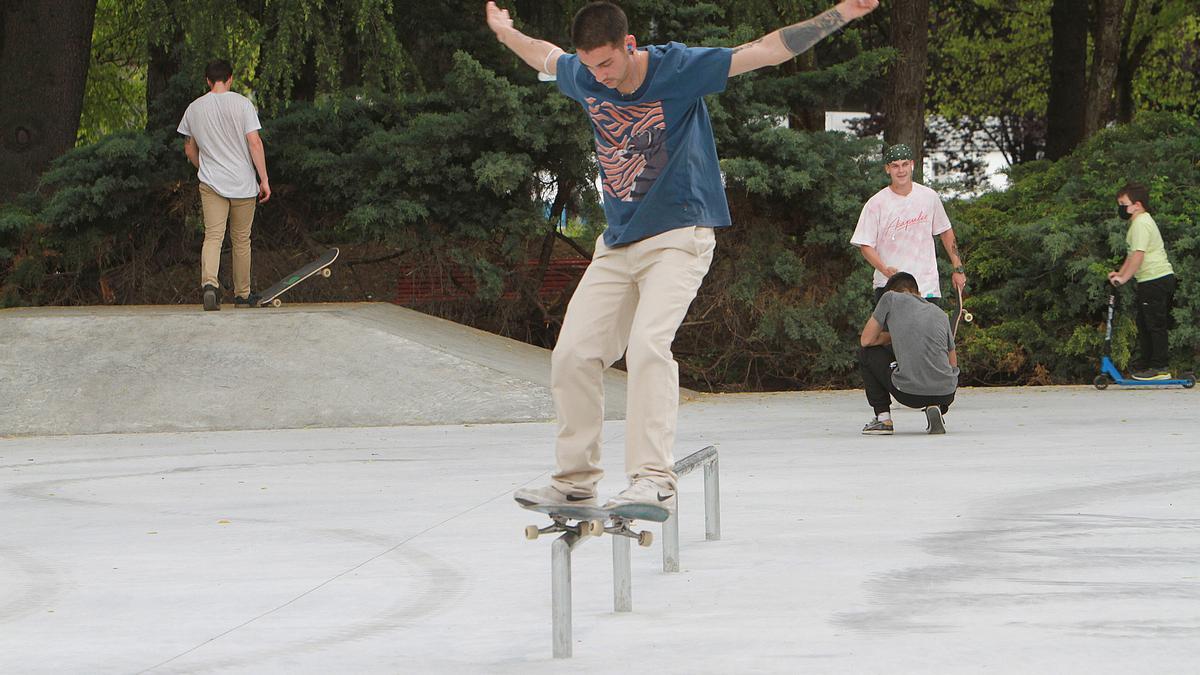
(551, 496)
(644, 491)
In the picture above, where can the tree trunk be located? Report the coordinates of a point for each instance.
(904, 93)
(1068, 76)
(805, 117)
(164, 64)
(1106, 52)
(1131, 59)
(45, 47)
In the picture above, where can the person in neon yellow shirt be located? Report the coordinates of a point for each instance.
(1146, 261)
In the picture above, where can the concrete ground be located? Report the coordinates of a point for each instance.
(87, 370)
(1051, 530)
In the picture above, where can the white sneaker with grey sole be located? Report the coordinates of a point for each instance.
(551, 496)
(644, 491)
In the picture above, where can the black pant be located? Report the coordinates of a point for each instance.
(875, 363)
(1154, 300)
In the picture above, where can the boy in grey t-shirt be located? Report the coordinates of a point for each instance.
(907, 354)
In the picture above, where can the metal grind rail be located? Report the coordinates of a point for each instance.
(561, 548)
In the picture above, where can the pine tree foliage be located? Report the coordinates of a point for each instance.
(417, 129)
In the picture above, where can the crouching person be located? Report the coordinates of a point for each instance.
(907, 354)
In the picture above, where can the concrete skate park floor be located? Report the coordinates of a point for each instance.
(1051, 530)
(85, 370)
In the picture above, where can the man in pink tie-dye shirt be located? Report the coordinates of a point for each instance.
(896, 229)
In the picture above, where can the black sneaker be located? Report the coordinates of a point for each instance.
(211, 298)
(876, 427)
(251, 300)
(1152, 374)
(933, 415)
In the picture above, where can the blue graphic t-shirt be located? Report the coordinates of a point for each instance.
(658, 160)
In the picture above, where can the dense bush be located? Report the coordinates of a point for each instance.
(459, 174)
(1038, 254)
(787, 295)
(463, 174)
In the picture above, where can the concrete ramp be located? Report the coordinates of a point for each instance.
(94, 370)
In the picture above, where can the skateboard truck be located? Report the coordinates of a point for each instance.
(620, 527)
(583, 528)
(616, 526)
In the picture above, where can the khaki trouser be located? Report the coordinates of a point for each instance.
(240, 215)
(630, 301)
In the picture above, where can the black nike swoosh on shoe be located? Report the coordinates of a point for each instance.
(663, 498)
(573, 498)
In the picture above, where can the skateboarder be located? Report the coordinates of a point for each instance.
(896, 228)
(1147, 262)
(221, 130)
(663, 198)
(907, 354)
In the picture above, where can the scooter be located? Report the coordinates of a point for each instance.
(1108, 370)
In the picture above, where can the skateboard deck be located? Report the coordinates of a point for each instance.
(318, 266)
(963, 315)
(590, 520)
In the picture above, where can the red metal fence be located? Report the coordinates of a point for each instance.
(453, 282)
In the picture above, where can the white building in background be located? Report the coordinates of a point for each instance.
(996, 164)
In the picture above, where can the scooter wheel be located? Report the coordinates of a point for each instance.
(1102, 382)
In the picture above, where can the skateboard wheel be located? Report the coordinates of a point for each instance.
(968, 317)
(1101, 382)
(531, 532)
(595, 527)
(1189, 380)
(276, 302)
(326, 272)
(645, 538)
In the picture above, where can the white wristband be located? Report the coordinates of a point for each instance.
(546, 63)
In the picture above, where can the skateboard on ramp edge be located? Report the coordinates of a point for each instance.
(318, 266)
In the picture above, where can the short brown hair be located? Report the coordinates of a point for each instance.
(599, 24)
(1136, 193)
(902, 282)
(218, 71)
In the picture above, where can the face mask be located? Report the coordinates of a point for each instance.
(1123, 212)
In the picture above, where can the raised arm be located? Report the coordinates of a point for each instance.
(532, 51)
(774, 48)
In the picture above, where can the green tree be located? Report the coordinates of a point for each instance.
(1040, 251)
(41, 84)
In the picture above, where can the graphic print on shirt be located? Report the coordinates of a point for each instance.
(631, 145)
(900, 224)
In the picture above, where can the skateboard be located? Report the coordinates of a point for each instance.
(318, 266)
(589, 521)
(963, 315)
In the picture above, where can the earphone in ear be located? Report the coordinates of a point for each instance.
(629, 48)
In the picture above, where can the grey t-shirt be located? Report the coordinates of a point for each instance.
(922, 342)
(219, 123)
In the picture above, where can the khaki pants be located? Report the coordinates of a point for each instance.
(630, 301)
(240, 215)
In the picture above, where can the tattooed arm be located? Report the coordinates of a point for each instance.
(775, 48)
(959, 279)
